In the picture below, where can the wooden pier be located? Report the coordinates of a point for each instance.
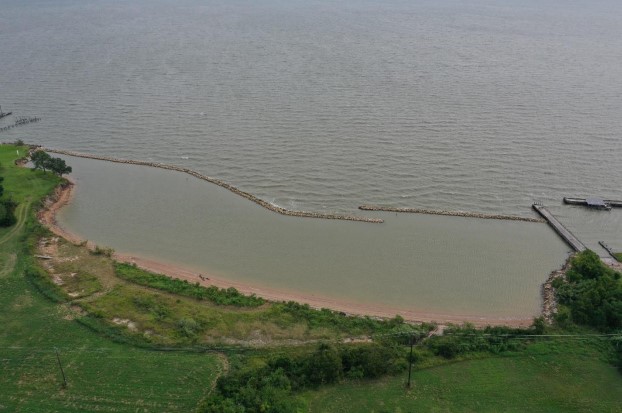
(3, 114)
(608, 249)
(590, 201)
(561, 230)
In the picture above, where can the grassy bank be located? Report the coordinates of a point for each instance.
(151, 309)
(549, 376)
(101, 375)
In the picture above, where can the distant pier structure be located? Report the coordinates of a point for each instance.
(608, 249)
(561, 230)
(597, 203)
(3, 114)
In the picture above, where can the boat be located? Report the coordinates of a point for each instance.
(4, 114)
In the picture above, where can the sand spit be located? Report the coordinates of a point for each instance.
(250, 197)
(448, 213)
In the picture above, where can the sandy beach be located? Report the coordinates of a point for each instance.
(64, 194)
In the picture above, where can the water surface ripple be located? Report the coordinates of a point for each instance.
(319, 105)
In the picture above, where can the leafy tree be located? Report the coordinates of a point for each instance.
(44, 161)
(592, 293)
(7, 209)
(59, 167)
(325, 365)
(41, 160)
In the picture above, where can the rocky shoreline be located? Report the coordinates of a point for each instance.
(448, 213)
(549, 300)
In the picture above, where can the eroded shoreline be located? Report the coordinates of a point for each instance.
(64, 193)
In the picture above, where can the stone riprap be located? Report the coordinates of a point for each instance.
(250, 197)
(449, 213)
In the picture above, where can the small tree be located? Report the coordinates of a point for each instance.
(44, 161)
(59, 167)
(41, 160)
(325, 365)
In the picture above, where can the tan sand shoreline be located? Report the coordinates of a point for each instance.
(63, 195)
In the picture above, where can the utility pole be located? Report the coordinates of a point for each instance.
(61, 368)
(410, 359)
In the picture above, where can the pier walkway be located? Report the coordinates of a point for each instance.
(589, 201)
(559, 228)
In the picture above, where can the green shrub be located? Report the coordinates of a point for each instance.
(105, 251)
(325, 317)
(467, 339)
(188, 327)
(592, 294)
(229, 296)
(325, 366)
(269, 387)
(7, 212)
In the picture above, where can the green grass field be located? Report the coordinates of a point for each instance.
(550, 376)
(101, 375)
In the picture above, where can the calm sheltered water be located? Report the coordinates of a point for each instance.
(431, 264)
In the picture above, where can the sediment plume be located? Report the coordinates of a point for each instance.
(250, 197)
(449, 213)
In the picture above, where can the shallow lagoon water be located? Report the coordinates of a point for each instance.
(432, 264)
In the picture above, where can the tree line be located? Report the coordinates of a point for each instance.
(43, 161)
(7, 208)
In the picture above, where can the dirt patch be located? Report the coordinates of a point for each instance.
(125, 322)
(22, 301)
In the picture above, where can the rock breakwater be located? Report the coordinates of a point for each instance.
(449, 213)
(20, 121)
(250, 197)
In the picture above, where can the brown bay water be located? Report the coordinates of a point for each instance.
(431, 264)
(322, 105)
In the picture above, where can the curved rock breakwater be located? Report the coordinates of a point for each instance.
(250, 197)
(449, 213)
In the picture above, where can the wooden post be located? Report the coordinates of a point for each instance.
(61, 368)
(410, 360)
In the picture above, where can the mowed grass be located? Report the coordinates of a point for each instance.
(101, 375)
(551, 376)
